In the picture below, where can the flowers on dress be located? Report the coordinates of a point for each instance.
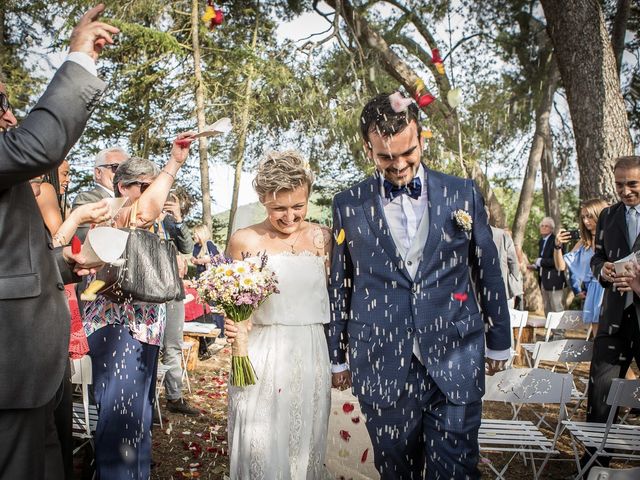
(463, 219)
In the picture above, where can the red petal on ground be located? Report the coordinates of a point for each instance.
(364, 456)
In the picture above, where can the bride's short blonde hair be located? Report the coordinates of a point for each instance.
(282, 171)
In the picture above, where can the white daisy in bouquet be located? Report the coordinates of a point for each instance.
(237, 288)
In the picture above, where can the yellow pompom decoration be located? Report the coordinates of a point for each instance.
(90, 294)
(209, 14)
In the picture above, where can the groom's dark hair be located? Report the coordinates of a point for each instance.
(377, 116)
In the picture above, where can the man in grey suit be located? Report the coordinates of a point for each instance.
(34, 315)
(105, 165)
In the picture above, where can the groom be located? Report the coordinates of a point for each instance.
(409, 240)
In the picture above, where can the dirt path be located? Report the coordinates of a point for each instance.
(189, 447)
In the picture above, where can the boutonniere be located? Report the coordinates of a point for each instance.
(463, 219)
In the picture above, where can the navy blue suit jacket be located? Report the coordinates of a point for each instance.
(378, 309)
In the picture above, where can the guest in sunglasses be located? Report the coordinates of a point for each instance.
(124, 339)
(105, 166)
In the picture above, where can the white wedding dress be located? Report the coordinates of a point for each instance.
(278, 427)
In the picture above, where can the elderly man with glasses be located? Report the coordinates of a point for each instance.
(105, 166)
(552, 281)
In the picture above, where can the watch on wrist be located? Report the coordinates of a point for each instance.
(558, 247)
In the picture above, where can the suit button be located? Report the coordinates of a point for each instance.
(414, 288)
(50, 245)
(60, 286)
(410, 330)
(409, 263)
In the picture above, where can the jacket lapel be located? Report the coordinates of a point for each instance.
(437, 209)
(374, 214)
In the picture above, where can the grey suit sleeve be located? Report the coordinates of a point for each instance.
(54, 125)
(184, 241)
(483, 257)
(514, 281)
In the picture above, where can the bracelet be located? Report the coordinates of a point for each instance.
(168, 173)
(558, 247)
(59, 238)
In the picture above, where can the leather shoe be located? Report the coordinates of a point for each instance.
(181, 406)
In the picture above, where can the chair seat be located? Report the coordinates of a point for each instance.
(513, 436)
(536, 322)
(621, 437)
(78, 424)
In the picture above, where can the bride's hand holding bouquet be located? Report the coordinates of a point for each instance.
(237, 288)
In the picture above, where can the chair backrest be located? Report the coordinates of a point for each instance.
(602, 473)
(518, 319)
(567, 351)
(624, 393)
(82, 371)
(528, 385)
(567, 320)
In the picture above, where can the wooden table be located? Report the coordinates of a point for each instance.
(209, 330)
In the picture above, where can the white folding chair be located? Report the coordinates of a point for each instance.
(566, 320)
(568, 354)
(523, 437)
(85, 414)
(518, 321)
(609, 439)
(601, 473)
(162, 372)
(185, 353)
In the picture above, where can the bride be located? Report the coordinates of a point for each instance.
(278, 427)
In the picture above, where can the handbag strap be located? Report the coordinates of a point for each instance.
(133, 215)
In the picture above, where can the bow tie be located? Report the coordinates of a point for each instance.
(413, 189)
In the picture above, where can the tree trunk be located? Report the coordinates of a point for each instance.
(619, 30)
(242, 136)
(203, 144)
(542, 131)
(441, 115)
(588, 69)
(549, 186)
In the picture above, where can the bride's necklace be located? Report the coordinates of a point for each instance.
(292, 245)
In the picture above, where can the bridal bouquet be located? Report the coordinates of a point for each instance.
(238, 287)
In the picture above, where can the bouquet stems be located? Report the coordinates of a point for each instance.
(242, 372)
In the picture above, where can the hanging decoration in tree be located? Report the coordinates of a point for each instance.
(436, 59)
(422, 99)
(454, 97)
(213, 16)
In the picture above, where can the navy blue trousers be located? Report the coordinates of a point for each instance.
(124, 382)
(424, 435)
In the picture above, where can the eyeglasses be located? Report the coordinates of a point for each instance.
(112, 166)
(5, 106)
(143, 185)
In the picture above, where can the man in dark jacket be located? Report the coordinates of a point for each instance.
(34, 314)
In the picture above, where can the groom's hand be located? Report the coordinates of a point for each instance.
(341, 380)
(494, 366)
